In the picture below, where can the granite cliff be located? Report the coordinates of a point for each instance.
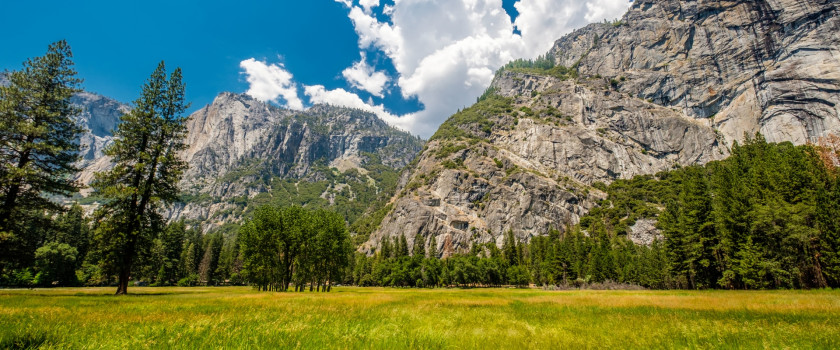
(672, 83)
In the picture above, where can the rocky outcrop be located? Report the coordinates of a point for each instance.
(768, 66)
(644, 232)
(673, 83)
(99, 116)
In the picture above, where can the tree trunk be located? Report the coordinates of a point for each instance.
(122, 286)
(14, 190)
(125, 269)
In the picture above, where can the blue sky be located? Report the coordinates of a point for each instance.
(413, 62)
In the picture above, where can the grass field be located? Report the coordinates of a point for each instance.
(239, 317)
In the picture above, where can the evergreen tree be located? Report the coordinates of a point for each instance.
(402, 247)
(386, 250)
(509, 249)
(433, 248)
(145, 174)
(210, 260)
(419, 250)
(38, 133)
(38, 145)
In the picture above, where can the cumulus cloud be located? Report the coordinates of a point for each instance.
(364, 77)
(270, 82)
(344, 98)
(368, 4)
(540, 21)
(445, 51)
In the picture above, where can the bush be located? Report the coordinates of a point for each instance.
(56, 264)
(188, 281)
(19, 278)
(91, 275)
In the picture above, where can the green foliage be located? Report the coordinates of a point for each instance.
(763, 218)
(767, 217)
(293, 245)
(350, 193)
(445, 149)
(450, 164)
(146, 172)
(55, 263)
(38, 147)
(188, 281)
(485, 265)
(364, 226)
(490, 91)
(543, 65)
(475, 122)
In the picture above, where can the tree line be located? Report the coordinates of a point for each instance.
(293, 245)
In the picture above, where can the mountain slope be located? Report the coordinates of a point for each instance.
(673, 83)
(243, 153)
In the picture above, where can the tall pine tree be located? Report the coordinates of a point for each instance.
(146, 171)
(38, 135)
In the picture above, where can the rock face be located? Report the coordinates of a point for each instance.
(749, 66)
(238, 148)
(673, 83)
(99, 116)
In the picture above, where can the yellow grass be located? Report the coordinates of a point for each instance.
(239, 317)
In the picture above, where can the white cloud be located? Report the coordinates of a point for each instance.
(344, 98)
(444, 52)
(543, 21)
(368, 4)
(364, 77)
(270, 83)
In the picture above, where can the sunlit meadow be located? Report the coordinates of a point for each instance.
(239, 317)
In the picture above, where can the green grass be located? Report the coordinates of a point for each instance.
(238, 317)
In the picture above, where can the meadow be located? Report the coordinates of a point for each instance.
(385, 318)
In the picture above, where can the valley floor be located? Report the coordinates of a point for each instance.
(349, 317)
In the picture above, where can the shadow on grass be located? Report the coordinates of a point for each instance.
(28, 340)
(64, 294)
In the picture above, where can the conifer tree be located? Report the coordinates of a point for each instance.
(385, 251)
(38, 135)
(419, 250)
(146, 171)
(433, 248)
(402, 247)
